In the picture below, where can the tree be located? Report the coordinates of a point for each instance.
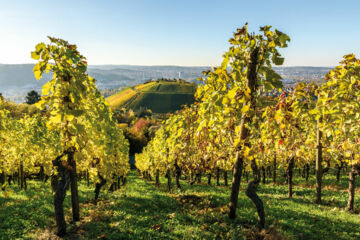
(32, 97)
(69, 96)
(236, 85)
(226, 115)
(339, 101)
(88, 136)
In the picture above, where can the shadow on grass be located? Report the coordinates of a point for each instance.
(140, 211)
(23, 211)
(298, 216)
(312, 225)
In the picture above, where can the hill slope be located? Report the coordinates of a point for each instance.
(159, 96)
(16, 80)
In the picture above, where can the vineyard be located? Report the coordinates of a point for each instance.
(160, 96)
(238, 163)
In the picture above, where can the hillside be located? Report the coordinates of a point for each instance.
(16, 80)
(159, 96)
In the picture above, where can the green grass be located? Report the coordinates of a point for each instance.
(162, 102)
(119, 99)
(141, 87)
(21, 212)
(170, 87)
(160, 97)
(140, 210)
(114, 96)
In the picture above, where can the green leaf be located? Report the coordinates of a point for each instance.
(277, 60)
(77, 113)
(283, 39)
(80, 128)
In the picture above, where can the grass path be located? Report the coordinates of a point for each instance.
(139, 210)
(142, 211)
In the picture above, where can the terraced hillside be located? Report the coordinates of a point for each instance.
(159, 96)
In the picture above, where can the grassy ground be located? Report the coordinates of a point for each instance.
(170, 87)
(142, 87)
(162, 102)
(160, 97)
(120, 98)
(142, 211)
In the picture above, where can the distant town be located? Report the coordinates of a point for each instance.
(16, 80)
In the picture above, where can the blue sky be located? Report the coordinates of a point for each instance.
(186, 32)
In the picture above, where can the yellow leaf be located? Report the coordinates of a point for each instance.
(271, 44)
(225, 101)
(247, 92)
(37, 72)
(245, 109)
(46, 88)
(56, 119)
(40, 104)
(246, 151)
(236, 142)
(69, 117)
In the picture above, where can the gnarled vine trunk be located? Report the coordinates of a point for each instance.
(41, 174)
(88, 177)
(60, 193)
(191, 179)
(290, 176)
(355, 169)
(177, 175)
(274, 171)
(168, 175)
(226, 178)
(338, 171)
(2, 181)
(25, 183)
(243, 134)
(218, 177)
(74, 186)
(118, 182)
(251, 193)
(21, 174)
(198, 177)
(318, 166)
(307, 171)
(157, 178)
(98, 186)
(235, 185)
(9, 178)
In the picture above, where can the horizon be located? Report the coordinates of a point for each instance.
(200, 66)
(186, 33)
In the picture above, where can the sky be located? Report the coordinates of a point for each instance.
(178, 32)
